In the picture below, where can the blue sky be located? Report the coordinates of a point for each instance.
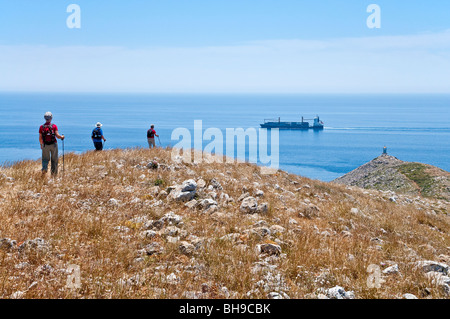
(321, 46)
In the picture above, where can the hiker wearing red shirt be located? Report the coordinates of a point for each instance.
(151, 133)
(48, 133)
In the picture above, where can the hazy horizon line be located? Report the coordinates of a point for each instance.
(218, 93)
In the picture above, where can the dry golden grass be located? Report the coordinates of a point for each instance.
(322, 249)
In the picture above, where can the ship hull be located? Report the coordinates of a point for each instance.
(291, 126)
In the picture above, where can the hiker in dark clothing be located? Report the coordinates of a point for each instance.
(48, 135)
(97, 137)
(151, 133)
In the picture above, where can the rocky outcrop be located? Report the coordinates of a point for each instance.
(250, 205)
(184, 192)
(388, 173)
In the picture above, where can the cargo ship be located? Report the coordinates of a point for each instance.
(303, 125)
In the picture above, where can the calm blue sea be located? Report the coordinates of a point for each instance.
(413, 127)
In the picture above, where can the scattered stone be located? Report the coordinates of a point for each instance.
(152, 249)
(391, 270)
(270, 249)
(439, 280)
(113, 202)
(37, 245)
(171, 231)
(261, 232)
(135, 200)
(243, 196)
(189, 186)
(153, 165)
(376, 240)
(163, 194)
(149, 234)
(43, 270)
(259, 193)
(184, 192)
(201, 183)
(190, 172)
(311, 211)
(212, 195)
(211, 209)
(277, 295)
(215, 184)
(172, 240)
(225, 292)
(249, 205)
(429, 265)
(131, 281)
(7, 244)
(191, 204)
(17, 295)
(172, 279)
(172, 219)
(206, 203)
(444, 259)
(277, 229)
(339, 293)
(186, 248)
(262, 208)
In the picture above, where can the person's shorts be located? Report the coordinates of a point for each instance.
(98, 146)
(151, 142)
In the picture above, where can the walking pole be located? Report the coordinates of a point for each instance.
(159, 141)
(63, 157)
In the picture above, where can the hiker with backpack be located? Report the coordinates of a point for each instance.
(151, 133)
(97, 137)
(48, 135)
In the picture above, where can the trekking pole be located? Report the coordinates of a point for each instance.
(159, 141)
(63, 156)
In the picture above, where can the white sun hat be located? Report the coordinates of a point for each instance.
(99, 124)
(48, 115)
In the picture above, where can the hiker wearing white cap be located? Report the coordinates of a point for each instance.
(151, 133)
(48, 134)
(97, 137)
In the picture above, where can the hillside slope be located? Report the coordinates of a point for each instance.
(387, 173)
(138, 225)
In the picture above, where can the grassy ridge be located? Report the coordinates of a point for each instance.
(419, 174)
(101, 217)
